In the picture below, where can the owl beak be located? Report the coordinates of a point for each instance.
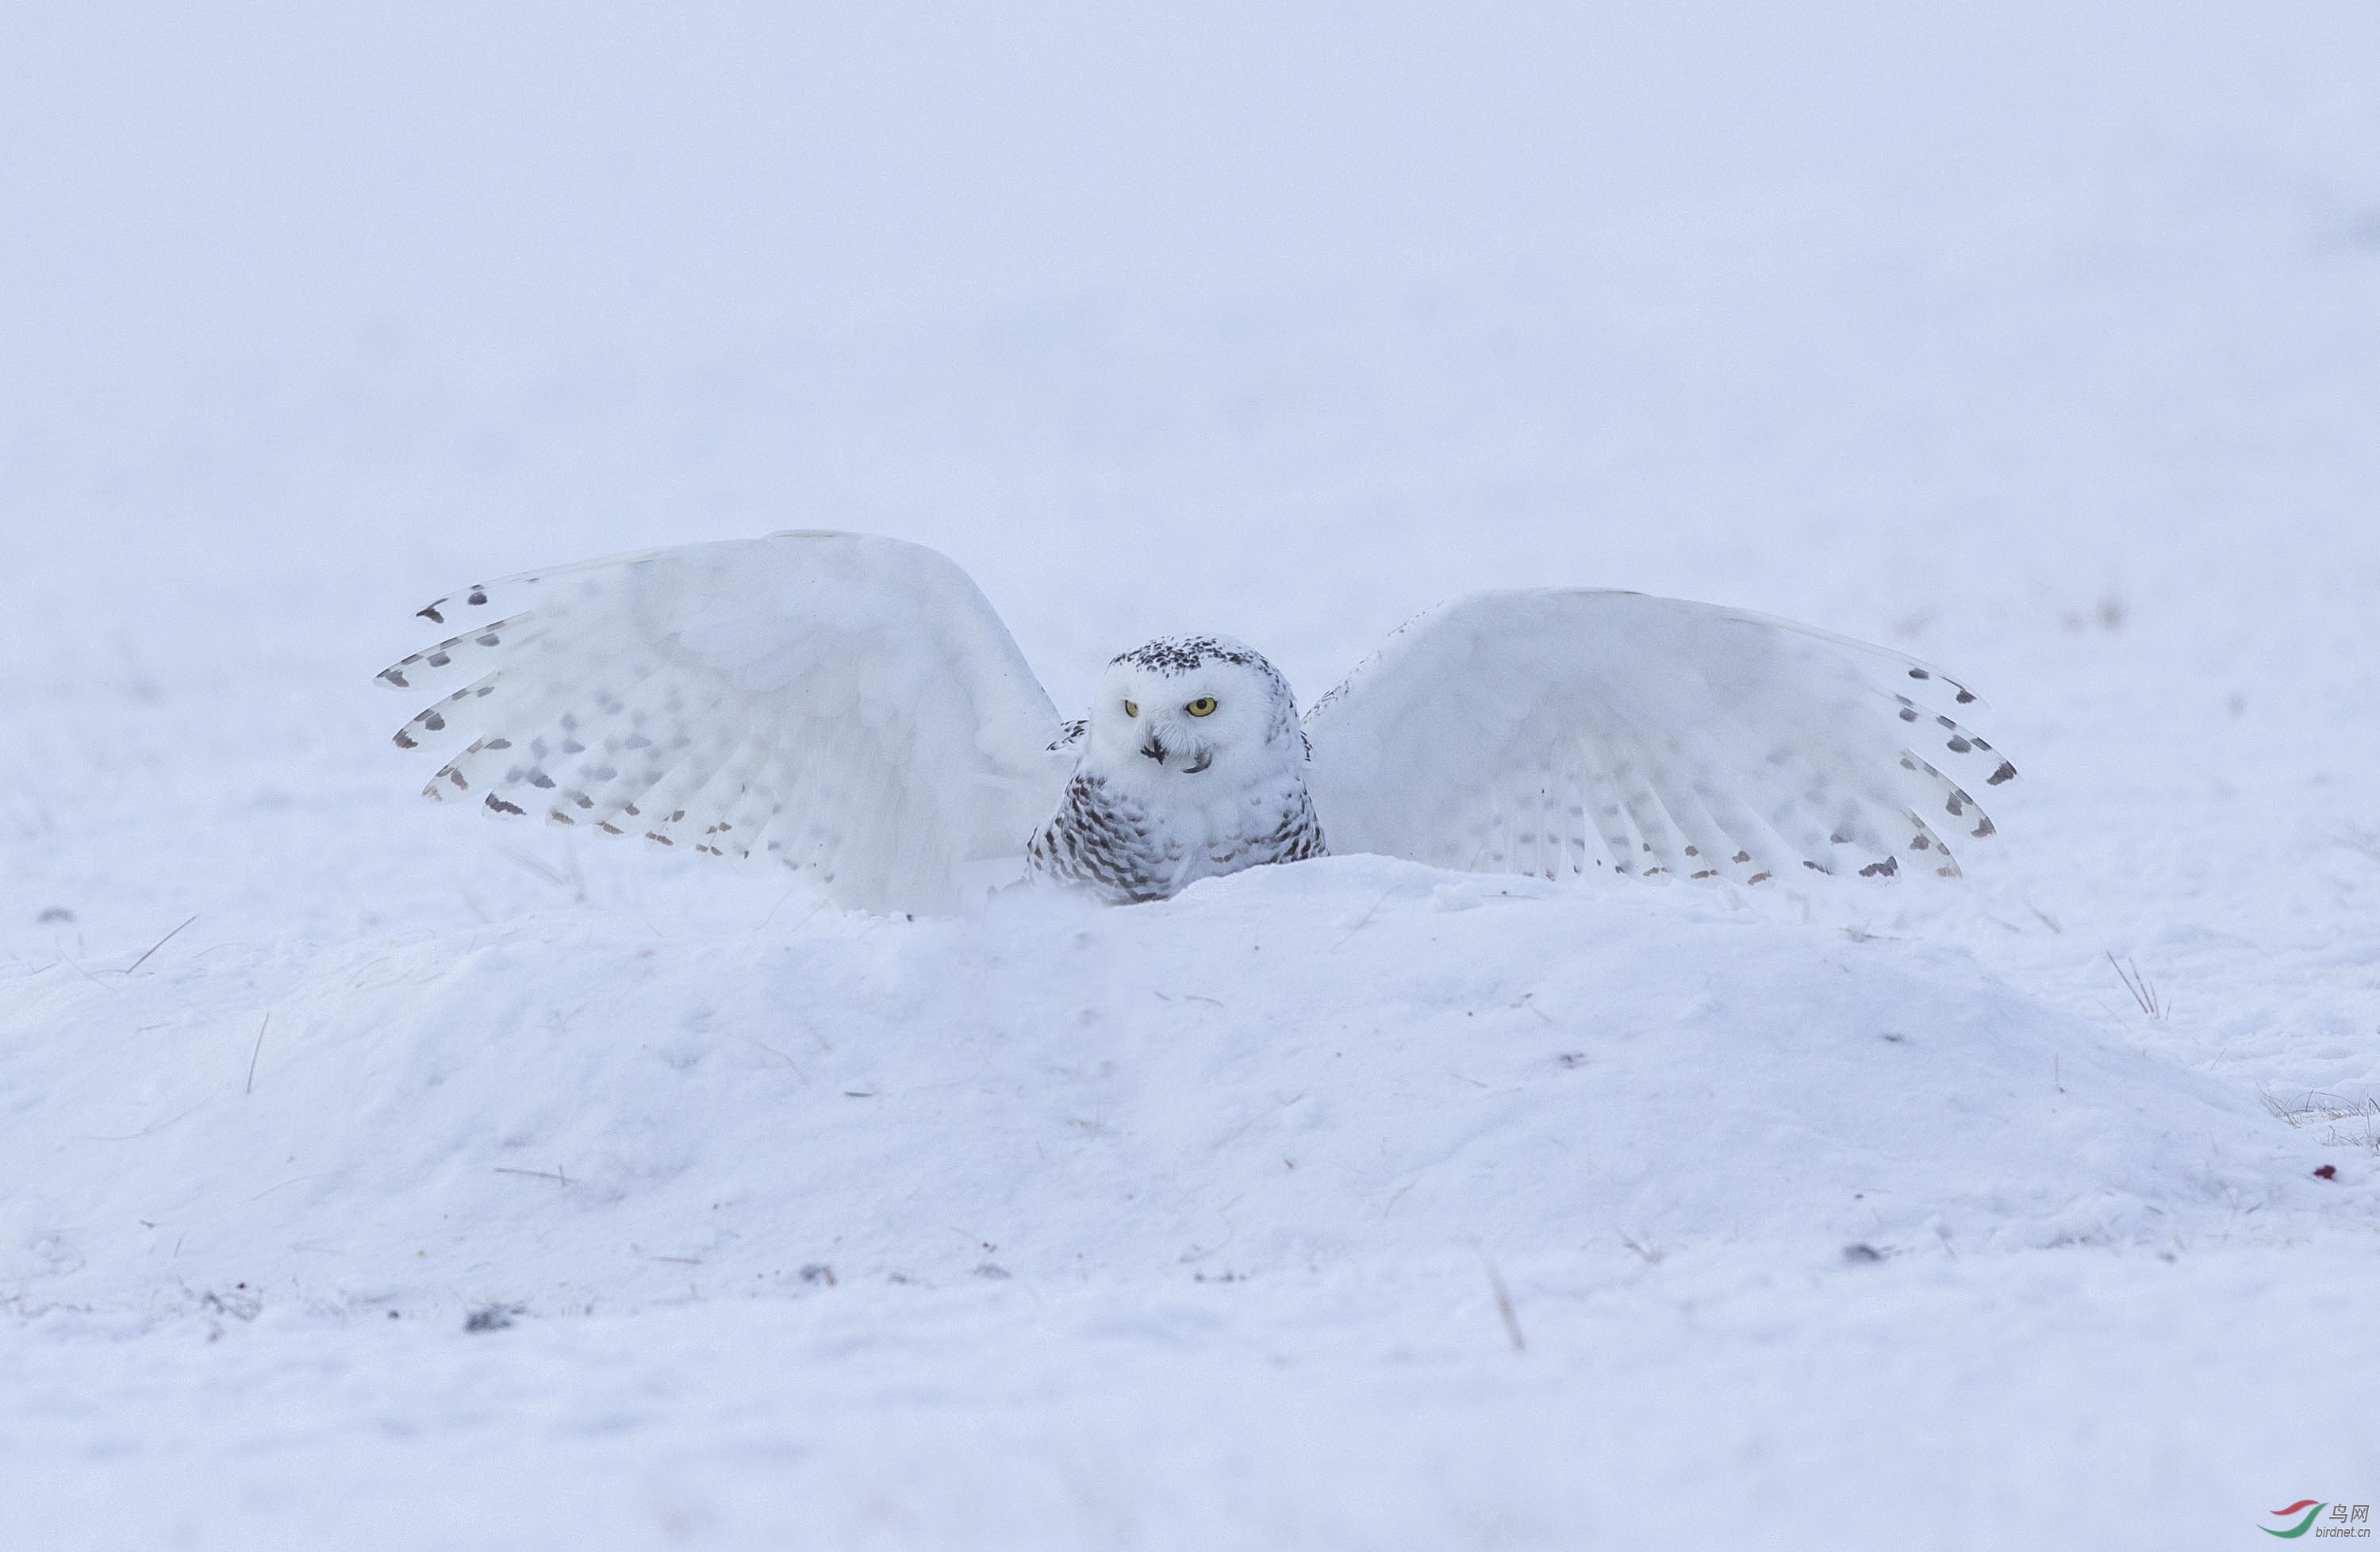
(1155, 750)
(1200, 758)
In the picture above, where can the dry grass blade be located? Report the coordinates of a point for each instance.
(2330, 1108)
(556, 1176)
(1364, 920)
(1651, 1257)
(158, 944)
(1504, 1304)
(2314, 1106)
(258, 1051)
(2138, 985)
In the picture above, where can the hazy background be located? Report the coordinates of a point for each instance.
(1284, 321)
(2042, 341)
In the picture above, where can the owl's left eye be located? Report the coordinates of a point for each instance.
(1202, 707)
(1130, 709)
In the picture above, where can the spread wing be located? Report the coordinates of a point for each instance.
(1561, 733)
(847, 706)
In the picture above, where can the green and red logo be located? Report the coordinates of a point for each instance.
(2305, 1506)
(2344, 1520)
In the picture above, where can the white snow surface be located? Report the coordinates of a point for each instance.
(1348, 1204)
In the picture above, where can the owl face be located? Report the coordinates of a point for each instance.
(1191, 709)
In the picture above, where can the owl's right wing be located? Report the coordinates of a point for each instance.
(850, 707)
(1562, 732)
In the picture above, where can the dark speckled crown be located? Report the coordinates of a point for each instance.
(1181, 654)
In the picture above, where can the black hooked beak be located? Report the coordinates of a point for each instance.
(1159, 753)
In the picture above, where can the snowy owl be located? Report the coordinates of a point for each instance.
(851, 708)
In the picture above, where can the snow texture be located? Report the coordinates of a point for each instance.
(369, 1179)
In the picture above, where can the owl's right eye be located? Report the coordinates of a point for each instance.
(1130, 709)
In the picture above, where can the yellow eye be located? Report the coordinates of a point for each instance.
(1202, 707)
(1130, 709)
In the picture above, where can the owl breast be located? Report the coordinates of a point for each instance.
(1127, 848)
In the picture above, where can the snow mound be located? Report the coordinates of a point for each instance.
(1352, 1060)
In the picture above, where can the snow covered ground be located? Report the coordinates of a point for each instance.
(1352, 1203)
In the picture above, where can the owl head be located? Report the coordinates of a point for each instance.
(1192, 708)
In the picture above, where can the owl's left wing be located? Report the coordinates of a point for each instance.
(847, 706)
(1563, 732)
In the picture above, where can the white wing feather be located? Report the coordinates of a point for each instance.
(1562, 733)
(849, 705)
